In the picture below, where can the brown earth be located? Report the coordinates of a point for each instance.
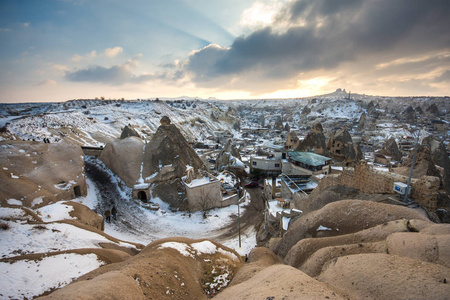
(343, 217)
(155, 273)
(383, 276)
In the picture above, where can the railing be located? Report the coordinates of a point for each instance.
(290, 181)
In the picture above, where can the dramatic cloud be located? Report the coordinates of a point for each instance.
(111, 52)
(314, 35)
(114, 75)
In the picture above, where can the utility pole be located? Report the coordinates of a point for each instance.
(408, 186)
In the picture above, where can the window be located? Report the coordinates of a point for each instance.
(277, 165)
(253, 163)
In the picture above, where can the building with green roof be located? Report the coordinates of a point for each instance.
(306, 163)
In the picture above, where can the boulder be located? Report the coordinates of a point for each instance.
(383, 276)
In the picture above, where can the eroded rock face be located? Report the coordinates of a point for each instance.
(343, 217)
(315, 140)
(124, 157)
(34, 170)
(173, 268)
(342, 148)
(383, 276)
(169, 147)
(279, 281)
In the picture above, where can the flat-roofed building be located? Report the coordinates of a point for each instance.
(306, 163)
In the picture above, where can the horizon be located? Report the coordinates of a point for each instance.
(190, 98)
(229, 50)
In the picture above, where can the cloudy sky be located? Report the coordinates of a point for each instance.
(56, 50)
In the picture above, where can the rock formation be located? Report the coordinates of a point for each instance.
(129, 131)
(341, 147)
(33, 170)
(362, 121)
(229, 157)
(314, 141)
(433, 110)
(124, 157)
(173, 268)
(168, 153)
(390, 148)
(343, 217)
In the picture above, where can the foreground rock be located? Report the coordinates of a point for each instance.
(279, 282)
(383, 276)
(175, 268)
(343, 217)
(35, 174)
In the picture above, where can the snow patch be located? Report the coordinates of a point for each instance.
(26, 279)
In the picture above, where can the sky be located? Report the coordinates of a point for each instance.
(57, 50)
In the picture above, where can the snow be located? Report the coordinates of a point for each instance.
(37, 201)
(183, 248)
(30, 238)
(285, 222)
(323, 228)
(29, 278)
(55, 212)
(8, 213)
(199, 182)
(274, 208)
(13, 201)
(205, 247)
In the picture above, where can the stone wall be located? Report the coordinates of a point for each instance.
(370, 181)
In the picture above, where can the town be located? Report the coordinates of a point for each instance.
(242, 173)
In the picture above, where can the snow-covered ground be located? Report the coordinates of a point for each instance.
(28, 278)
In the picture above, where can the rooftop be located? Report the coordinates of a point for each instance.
(309, 158)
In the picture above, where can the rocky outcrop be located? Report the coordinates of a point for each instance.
(229, 157)
(343, 217)
(433, 110)
(168, 154)
(124, 157)
(341, 147)
(362, 121)
(42, 171)
(129, 131)
(173, 268)
(383, 276)
(315, 141)
(390, 148)
(440, 158)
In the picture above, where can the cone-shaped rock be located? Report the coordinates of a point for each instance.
(129, 131)
(391, 149)
(168, 147)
